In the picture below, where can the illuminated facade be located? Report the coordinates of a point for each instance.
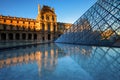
(100, 25)
(43, 28)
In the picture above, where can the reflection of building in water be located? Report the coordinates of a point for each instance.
(45, 59)
(43, 28)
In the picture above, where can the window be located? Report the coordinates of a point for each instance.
(53, 18)
(47, 17)
(4, 27)
(42, 17)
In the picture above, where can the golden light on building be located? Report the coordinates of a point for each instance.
(44, 28)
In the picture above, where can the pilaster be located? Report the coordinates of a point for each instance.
(51, 27)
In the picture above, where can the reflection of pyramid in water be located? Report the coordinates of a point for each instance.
(100, 25)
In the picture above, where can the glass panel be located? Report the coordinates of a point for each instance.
(100, 25)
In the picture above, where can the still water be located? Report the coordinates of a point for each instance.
(60, 62)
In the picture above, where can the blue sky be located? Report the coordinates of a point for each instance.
(66, 10)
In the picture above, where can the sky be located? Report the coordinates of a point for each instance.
(67, 11)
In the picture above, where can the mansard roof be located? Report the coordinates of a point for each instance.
(47, 9)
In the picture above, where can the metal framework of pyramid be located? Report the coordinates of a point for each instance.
(99, 25)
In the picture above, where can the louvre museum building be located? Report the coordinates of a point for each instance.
(44, 28)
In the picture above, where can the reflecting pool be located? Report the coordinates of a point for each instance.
(60, 62)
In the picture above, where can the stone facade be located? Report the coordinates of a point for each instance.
(62, 27)
(43, 28)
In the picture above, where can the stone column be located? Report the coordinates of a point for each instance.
(46, 27)
(39, 37)
(50, 18)
(52, 36)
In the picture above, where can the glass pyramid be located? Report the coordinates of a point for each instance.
(99, 25)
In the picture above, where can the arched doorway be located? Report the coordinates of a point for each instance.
(29, 36)
(23, 36)
(3, 36)
(35, 36)
(10, 36)
(49, 37)
(43, 38)
(17, 36)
